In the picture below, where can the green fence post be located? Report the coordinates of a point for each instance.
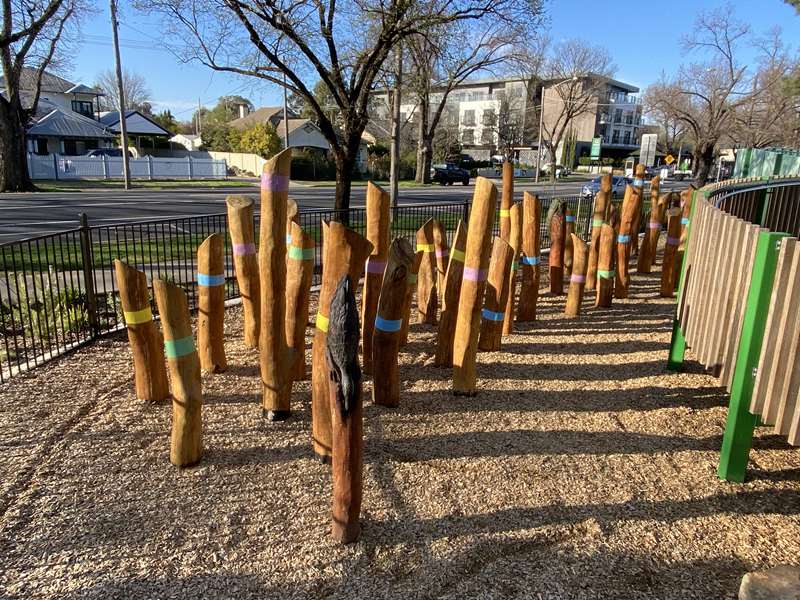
(677, 345)
(740, 425)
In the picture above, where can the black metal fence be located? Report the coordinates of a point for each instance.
(58, 291)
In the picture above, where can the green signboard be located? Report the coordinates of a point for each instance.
(595, 155)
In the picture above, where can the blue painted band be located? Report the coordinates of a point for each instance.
(210, 280)
(570, 218)
(530, 260)
(623, 239)
(388, 325)
(638, 182)
(684, 221)
(490, 315)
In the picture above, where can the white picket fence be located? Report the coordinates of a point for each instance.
(57, 166)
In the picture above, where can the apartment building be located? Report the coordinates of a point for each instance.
(484, 115)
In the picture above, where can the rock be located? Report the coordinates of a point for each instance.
(778, 583)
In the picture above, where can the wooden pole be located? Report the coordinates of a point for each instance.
(186, 446)
(556, 257)
(149, 370)
(605, 266)
(531, 236)
(638, 185)
(515, 241)
(496, 297)
(601, 201)
(276, 358)
(442, 254)
(344, 253)
(626, 224)
(569, 229)
(412, 284)
(299, 274)
(389, 322)
(670, 253)
(427, 298)
(647, 255)
(211, 304)
(687, 196)
(577, 279)
(345, 407)
(292, 216)
(473, 284)
(506, 201)
(245, 262)
(378, 235)
(450, 294)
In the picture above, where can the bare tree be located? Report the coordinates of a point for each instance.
(343, 43)
(577, 74)
(711, 95)
(32, 33)
(672, 132)
(137, 92)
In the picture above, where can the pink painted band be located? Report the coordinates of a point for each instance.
(272, 182)
(244, 249)
(471, 274)
(442, 253)
(578, 278)
(671, 241)
(375, 266)
(654, 225)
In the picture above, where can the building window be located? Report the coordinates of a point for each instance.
(618, 115)
(488, 117)
(84, 108)
(469, 118)
(629, 118)
(468, 137)
(626, 139)
(487, 136)
(41, 146)
(615, 137)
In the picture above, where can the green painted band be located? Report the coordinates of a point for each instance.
(298, 253)
(178, 348)
(605, 274)
(597, 222)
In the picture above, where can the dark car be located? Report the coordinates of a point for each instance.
(110, 152)
(617, 187)
(449, 174)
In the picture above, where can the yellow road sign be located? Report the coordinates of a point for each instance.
(669, 159)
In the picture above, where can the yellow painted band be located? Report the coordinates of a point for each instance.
(322, 322)
(424, 247)
(505, 212)
(137, 317)
(458, 255)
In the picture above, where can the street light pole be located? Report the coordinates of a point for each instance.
(539, 143)
(126, 173)
(285, 113)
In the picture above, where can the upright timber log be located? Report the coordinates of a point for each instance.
(496, 296)
(606, 254)
(378, 236)
(299, 274)
(599, 213)
(149, 369)
(515, 241)
(626, 223)
(427, 298)
(211, 304)
(245, 262)
(569, 229)
(346, 408)
(186, 446)
(531, 236)
(638, 186)
(276, 358)
(473, 284)
(389, 322)
(344, 253)
(647, 255)
(557, 240)
(451, 291)
(577, 279)
(442, 254)
(506, 201)
(668, 271)
(412, 284)
(687, 196)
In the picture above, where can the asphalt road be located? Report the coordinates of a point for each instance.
(28, 215)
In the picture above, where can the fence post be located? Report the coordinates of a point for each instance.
(150, 167)
(105, 166)
(741, 423)
(189, 160)
(88, 273)
(466, 211)
(677, 345)
(55, 165)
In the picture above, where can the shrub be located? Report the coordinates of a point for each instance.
(261, 139)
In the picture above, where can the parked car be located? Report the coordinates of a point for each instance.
(110, 152)
(449, 174)
(561, 170)
(618, 184)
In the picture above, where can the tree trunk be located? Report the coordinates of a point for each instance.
(704, 158)
(14, 176)
(344, 181)
(424, 158)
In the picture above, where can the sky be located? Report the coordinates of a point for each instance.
(643, 39)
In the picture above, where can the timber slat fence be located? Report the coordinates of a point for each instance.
(739, 307)
(58, 291)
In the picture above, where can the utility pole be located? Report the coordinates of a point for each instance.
(394, 151)
(126, 172)
(539, 143)
(285, 113)
(199, 130)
